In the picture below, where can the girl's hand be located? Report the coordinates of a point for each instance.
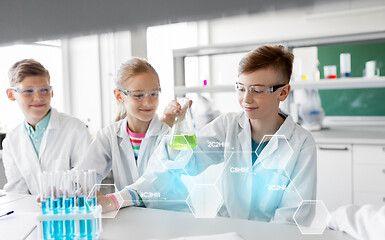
(108, 204)
(171, 111)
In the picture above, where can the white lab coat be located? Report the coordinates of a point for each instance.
(366, 222)
(112, 149)
(242, 196)
(63, 146)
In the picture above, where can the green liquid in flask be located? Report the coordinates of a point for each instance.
(178, 142)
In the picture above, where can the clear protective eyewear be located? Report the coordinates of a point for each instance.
(30, 91)
(256, 90)
(140, 94)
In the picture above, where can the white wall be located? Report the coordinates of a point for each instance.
(161, 40)
(91, 63)
(84, 78)
(115, 48)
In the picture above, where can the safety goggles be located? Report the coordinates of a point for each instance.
(30, 91)
(256, 90)
(140, 95)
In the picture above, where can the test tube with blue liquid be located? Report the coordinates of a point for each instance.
(81, 179)
(92, 225)
(69, 203)
(58, 205)
(46, 203)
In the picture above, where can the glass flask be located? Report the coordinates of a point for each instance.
(183, 132)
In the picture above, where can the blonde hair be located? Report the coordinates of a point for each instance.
(127, 70)
(26, 68)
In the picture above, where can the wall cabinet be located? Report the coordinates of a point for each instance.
(351, 173)
(369, 174)
(334, 170)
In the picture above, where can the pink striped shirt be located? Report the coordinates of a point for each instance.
(136, 141)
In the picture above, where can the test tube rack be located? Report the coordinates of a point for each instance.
(86, 224)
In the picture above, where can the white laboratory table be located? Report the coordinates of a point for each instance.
(22, 222)
(142, 223)
(350, 134)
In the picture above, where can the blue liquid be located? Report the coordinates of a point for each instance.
(92, 225)
(82, 223)
(57, 206)
(69, 205)
(45, 207)
(48, 201)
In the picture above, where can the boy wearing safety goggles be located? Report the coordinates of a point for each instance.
(46, 140)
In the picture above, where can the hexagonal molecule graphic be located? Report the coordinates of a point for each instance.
(205, 167)
(204, 201)
(312, 217)
(168, 190)
(274, 152)
(259, 191)
(104, 189)
(207, 160)
(173, 152)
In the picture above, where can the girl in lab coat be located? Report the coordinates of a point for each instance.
(264, 178)
(46, 140)
(126, 145)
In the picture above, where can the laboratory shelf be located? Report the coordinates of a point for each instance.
(340, 83)
(180, 90)
(179, 56)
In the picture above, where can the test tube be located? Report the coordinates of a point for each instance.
(92, 225)
(69, 203)
(45, 198)
(82, 195)
(57, 204)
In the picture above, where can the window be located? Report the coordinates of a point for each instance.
(161, 40)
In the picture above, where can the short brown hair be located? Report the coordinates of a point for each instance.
(26, 68)
(276, 57)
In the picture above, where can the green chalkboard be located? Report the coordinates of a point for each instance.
(353, 102)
